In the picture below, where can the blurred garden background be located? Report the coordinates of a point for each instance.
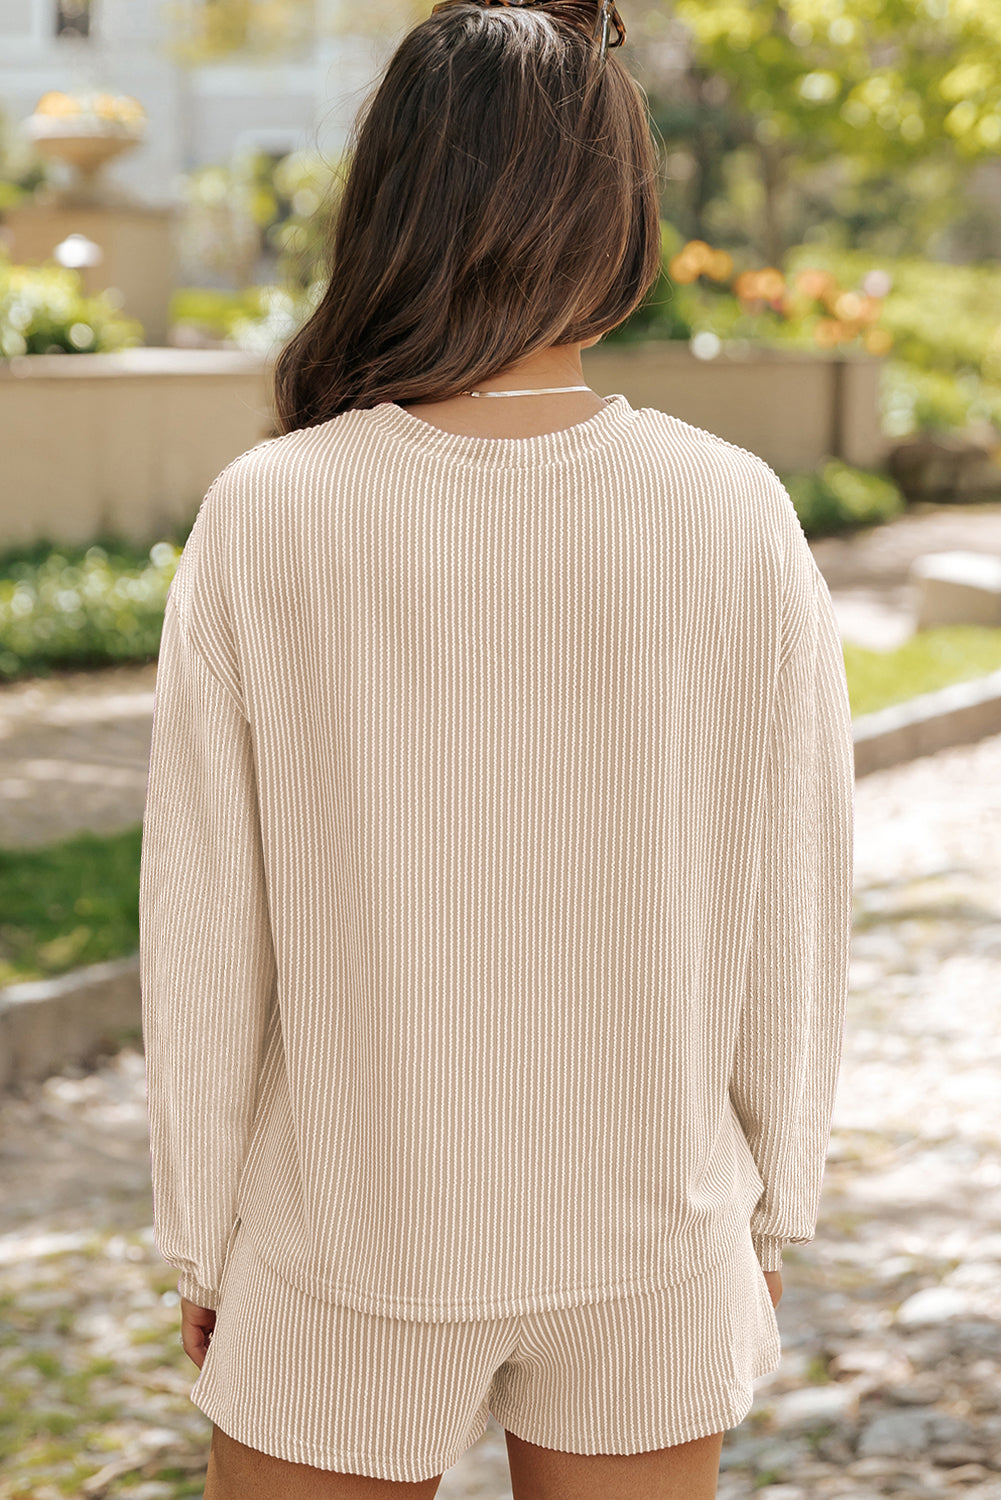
(830, 298)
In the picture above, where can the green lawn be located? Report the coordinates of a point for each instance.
(76, 902)
(930, 659)
(68, 904)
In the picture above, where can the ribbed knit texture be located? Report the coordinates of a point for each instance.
(495, 895)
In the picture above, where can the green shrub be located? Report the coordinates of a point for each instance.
(22, 170)
(945, 320)
(235, 208)
(943, 369)
(914, 399)
(837, 497)
(44, 309)
(941, 316)
(82, 606)
(212, 309)
(259, 318)
(311, 186)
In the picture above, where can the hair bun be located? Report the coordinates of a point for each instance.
(591, 17)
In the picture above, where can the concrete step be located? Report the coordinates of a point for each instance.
(957, 588)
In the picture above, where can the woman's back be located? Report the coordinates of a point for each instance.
(543, 941)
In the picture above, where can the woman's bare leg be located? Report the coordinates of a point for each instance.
(688, 1471)
(236, 1472)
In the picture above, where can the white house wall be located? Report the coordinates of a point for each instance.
(196, 116)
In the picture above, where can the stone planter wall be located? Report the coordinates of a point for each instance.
(131, 441)
(128, 441)
(792, 408)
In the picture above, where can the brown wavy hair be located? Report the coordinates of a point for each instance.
(501, 199)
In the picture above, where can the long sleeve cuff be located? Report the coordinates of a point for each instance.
(201, 1296)
(768, 1249)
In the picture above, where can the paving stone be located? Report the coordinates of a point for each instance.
(915, 1486)
(954, 1455)
(933, 1304)
(882, 1468)
(896, 1434)
(967, 1474)
(920, 1391)
(780, 1456)
(814, 1407)
(739, 1454)
(836, 1447)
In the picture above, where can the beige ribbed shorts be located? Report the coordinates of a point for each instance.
(318, 1383)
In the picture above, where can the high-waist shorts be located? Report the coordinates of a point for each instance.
(319, 1383)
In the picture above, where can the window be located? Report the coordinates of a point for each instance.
(73, 18)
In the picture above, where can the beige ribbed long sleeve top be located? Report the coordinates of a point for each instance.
(496, 866)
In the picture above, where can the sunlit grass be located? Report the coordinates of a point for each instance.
(929, 660)
(68, 904)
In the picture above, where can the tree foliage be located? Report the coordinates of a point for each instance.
(867, 113)
(885, 79)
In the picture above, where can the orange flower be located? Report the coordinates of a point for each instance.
(848, 306)
(772, 283)
(813, 283)
(719, 265)
(828, 332)
(692, 260)
(747, 286)
(682, 269)
(878, 340)
(699, 253)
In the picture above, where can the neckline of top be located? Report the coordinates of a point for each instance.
(549, 447)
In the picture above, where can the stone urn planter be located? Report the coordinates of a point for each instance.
(85, 131)
(137, 241)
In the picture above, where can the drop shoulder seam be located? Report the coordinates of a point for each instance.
(785, 544)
